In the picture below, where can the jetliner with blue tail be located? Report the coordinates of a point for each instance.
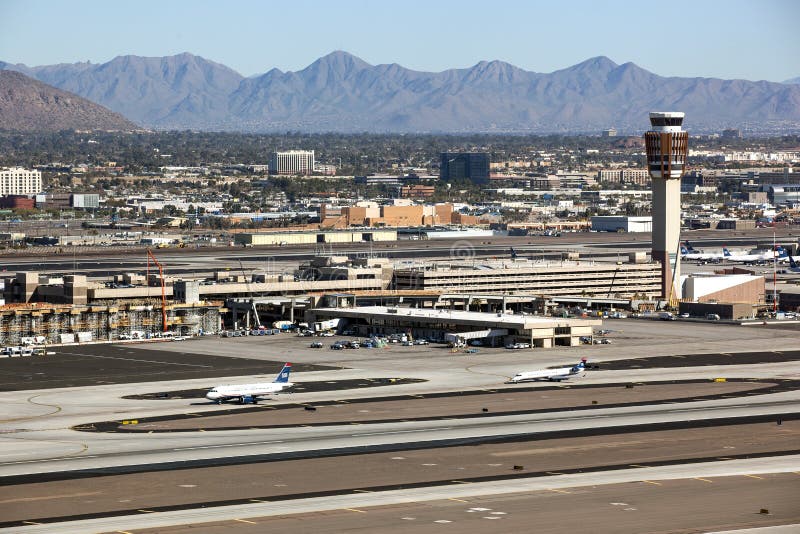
(793, 266)
(689, 253)
(249, 393)
(554, 375)
(769, 256)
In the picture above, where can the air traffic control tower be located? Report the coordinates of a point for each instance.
(667, 146)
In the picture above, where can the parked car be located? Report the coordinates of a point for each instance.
(685, 315)
(420, 342)
(337, 346)
(316, 345)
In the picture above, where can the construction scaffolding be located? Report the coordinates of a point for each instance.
(52, 322)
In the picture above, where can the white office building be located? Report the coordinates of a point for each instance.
(292, 162)
(19, 181)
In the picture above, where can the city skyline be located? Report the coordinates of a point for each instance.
(708, 41)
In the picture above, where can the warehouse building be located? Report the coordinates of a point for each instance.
(612, 223)
(312, 237)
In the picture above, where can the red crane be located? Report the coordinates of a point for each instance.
(163, 288)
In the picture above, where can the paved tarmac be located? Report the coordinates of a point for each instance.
(695, 494)
(36, 440)
(164, 490)
(634, 508)
(85, 365)
(447, 406)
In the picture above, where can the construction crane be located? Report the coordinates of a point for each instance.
(250, 294)
(163, 288)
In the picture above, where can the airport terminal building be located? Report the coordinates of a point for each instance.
(494, 329)
(567, 278)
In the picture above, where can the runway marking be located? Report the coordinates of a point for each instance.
(361, 491)
(257, 500)
(651, 482)
(221, 446)
(47, 497)
(553, 473)
(559, 491)
(146, 511)
(135, 360)
(399, 432)
(457, 500)
(31, 401)
(48, 460)
(355, 510)
(246, 521)
(638, 465)
(460, 482)
(754, 476)
(704, 480)
(31, 523)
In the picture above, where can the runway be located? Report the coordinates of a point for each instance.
(384, 471)
(676, 421)
(515, 400)
(733, 494)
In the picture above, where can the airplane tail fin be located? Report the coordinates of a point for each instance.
(782, 252)
(580, 367)
(726, 253)
(283, 376)
(792, 263)
(684, 250)
(513, 253)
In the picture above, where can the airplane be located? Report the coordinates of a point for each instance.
(793, 266)
(247, 393)
(689, 253)
(771, 255)
(554, 375)
(513, 254)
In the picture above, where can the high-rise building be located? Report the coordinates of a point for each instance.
(292, 162)
(473, 166)
(667, 146)
(19, 181)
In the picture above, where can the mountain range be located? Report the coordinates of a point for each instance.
(340, 92)
(30, 105)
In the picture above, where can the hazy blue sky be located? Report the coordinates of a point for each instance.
(750, 39)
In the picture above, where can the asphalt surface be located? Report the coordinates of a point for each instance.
(305, 387)
(381, 471)
(89, 365)
(519, 400)
(643, 507)
(86, 365)
(693, 360)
